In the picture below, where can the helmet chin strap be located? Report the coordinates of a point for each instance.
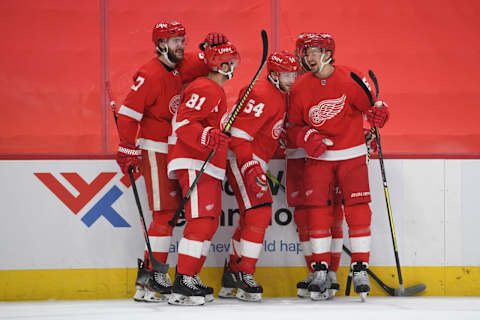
(228, 74)
(323, 64)
(276, 82)
(164, 53)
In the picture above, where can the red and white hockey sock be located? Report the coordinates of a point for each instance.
(320, 221)
(359, 219)
(300, 217)
(191, 246)
(160, 235)
(337, 237)
(234, 251)
(253, 233)
(203, 257)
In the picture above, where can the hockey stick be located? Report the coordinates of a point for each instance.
(401, 291)
(157, 265)
(272, 178)
(225, 130)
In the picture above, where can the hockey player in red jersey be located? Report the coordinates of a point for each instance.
(255, 138)
(197, 131)
(150, 105)
(327, 103)
(295, 164)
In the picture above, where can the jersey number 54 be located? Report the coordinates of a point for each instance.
(257, 109)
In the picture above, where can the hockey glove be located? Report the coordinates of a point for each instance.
(312, 141)
(370, 140)
(128, 155)
(214, 139)
(254, 176)
(378, 114)
(213, 39)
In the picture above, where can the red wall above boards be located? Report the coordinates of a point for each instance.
(56, 56)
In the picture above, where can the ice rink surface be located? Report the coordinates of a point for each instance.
(384, 308)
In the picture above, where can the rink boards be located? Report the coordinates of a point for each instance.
(70, 230)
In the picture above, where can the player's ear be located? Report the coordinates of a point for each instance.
(328, 54)
(162, 44)
(225, 67)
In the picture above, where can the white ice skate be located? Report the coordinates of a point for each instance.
(361, 283)
(320, 283)
(185, 292)
(302, 286)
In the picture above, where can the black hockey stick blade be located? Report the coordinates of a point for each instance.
(360, 82)
(410, 291)
(375, 82)
(397, 292)
(157, 265)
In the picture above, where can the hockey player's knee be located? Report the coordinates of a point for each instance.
(300, 216)
(159, 225)
(358, 218)
(259, 217)
(320, 218)
(201, 229)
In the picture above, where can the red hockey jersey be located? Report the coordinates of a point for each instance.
(204, 106)
(153, 100)
(334, 106)
(258, 126)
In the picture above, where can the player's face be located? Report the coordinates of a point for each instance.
(176, 47)
(286, 80)
(314, 58)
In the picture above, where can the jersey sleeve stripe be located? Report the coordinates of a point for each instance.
(151, 145)
(126, 111)
(239, 133)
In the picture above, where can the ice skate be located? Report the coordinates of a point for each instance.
(361, 283)
(207, 291)
(320, 283)
(247, 288)
(334, 285)
(186, 292)
(151, 286)
(229, 283)
(302, 286)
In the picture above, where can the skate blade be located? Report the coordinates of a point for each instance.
(303, 293)
(363, 296)
(152, 296)
(331, 293)
(142, 295)
(227, 293)
(319, 296)
(245, 296)
(181, 300)
(209, 298)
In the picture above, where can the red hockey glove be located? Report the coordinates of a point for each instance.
(213, 39)
(378, 114)
(214, 139)
(254, 177)
(313, 142)
(370, 140)
(128, 155)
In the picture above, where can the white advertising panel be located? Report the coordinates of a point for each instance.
(82, 214)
